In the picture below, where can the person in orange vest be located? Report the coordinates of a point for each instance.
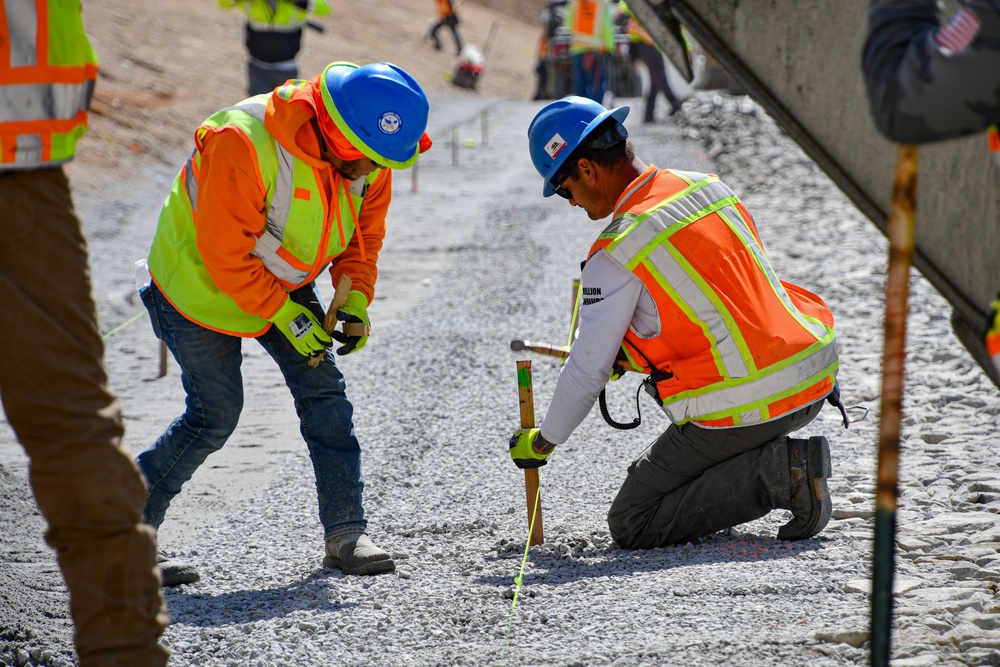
(592, 39)
(643, 48)
(446, 16)
(280, 188)
(678, 287)
(52, 376)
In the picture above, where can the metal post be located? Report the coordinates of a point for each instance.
(484, 126)
(901, 233)
(454, 147)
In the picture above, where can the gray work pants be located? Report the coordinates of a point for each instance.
(694, 481)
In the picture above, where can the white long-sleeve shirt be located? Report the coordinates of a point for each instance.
(612, 300)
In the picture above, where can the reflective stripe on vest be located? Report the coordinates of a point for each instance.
(744, 391)
(269, 242)
(43, 103)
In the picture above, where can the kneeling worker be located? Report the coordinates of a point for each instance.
(679, 288)
(279, 188)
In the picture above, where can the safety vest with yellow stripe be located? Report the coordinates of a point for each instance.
(590, 26)
(303, 232)
(277, 15)
(736, 345)
(47, 72)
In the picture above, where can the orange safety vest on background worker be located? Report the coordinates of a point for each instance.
(736, 345)
(49, 75)
(444, 9)
(312, 217)
(590, 26)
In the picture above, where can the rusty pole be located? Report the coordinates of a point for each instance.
(901, 232)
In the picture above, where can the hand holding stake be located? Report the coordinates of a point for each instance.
(330, 321)
(532, 492)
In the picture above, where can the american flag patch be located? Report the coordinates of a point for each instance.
(961, 30)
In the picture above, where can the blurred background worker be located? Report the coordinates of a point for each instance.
(52, 379)
(446, 16)
(550, 20)
(279, 189)
(592, 39)
(642, 46)
(274, 38)
(678, 287)
(930, 82)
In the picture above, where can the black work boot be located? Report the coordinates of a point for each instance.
(808, 468)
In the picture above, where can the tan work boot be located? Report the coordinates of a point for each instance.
(354, 553)
(808, 467)
(175, 572)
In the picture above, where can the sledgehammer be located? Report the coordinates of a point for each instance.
(541, 348)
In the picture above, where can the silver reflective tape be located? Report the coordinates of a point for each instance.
(191, 183)
(773, 384)
(29, 152)
(281, 199)
(22, 25)
(703, 309)
(662, 218)
(43, 101)
(267, 249)
(739, 225)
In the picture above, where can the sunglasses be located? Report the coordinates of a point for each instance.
(614, 135)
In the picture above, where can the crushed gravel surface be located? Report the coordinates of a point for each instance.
(436, 399)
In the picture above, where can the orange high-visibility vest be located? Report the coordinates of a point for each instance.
(736, 346)
(48, 70)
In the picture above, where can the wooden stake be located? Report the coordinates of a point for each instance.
(901, 232)
(531, 490)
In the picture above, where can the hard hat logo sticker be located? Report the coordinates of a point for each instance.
(555, 144)
(390, 122)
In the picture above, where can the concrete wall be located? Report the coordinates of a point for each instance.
(801, 60)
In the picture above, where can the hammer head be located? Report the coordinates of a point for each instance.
(517, 345)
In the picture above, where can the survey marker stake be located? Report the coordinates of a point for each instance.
(902, 214)
(531, 490)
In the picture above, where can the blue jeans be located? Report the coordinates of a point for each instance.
(589, 75)
(210, 373)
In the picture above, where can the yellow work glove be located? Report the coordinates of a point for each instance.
(301, 328)
(525, 449)
(355, 310)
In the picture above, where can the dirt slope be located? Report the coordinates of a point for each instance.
(165, 66)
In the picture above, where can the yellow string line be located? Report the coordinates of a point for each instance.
(520, 575)
(123, 325)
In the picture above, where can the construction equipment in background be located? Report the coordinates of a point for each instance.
(471, 61)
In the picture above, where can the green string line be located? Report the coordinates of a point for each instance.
(123, 325)
(520, 575)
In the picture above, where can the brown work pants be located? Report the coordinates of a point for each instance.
(54, 393)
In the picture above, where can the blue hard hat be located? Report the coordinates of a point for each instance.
(380, 108)
(559, 128)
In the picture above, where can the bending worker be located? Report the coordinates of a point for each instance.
(680, 289)
(279, 188)
(273, 37)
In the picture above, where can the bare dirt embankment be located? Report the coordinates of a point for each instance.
(165, 66)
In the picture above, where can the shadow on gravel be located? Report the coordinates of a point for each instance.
(564, 563)
(207, 610)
